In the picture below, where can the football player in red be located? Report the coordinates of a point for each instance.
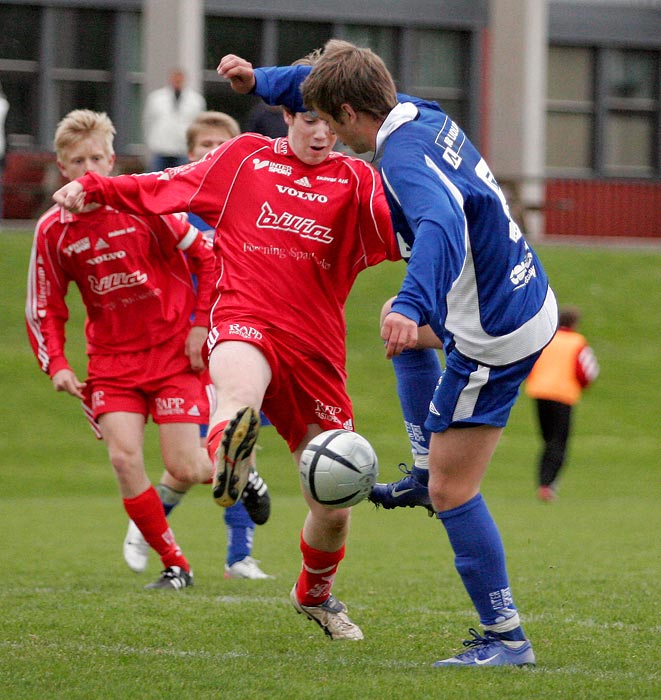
(295, 223)
(134, 276)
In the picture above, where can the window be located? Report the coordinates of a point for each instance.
(439, 70)
(382, 40)
(19, 71)
(224, 35)
(570, 107)
(602, 111)
(631, 112)
(296, 39)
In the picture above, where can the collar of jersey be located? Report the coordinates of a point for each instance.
(401, 113)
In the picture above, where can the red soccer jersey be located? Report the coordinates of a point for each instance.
(290, 237)
(132, 274)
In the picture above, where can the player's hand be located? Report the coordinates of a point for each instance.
(239, 72)
(399, 333)
(71, 196)
(66, 380)
(194, 343)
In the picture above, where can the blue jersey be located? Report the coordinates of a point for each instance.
(471, 276)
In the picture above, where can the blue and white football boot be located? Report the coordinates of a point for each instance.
(491, 650)
(408, 492)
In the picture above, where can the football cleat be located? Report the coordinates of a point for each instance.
(174, 578)
(256, 498)
(136, 549)
(408, 492)
(233, 457)
(245, 568)
(331, 616)
(491, 650)
(546, 494)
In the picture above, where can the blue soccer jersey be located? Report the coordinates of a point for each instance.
(471, 276)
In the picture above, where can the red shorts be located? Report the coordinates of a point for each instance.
(157, 382)
(306, 388)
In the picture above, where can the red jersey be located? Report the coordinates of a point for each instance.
(290, 237)
(132, 275)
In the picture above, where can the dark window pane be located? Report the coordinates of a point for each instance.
(223, 35)
(382, 40)
(21, 92)
(82, 95)
(631, 74)
(297, 39)
(89, 39)
(19, 38)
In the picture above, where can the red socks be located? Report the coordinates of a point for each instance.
(146, 511)
(214, 438)
(316, 578)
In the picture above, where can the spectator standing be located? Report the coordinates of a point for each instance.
(566, 367)
(168, 112)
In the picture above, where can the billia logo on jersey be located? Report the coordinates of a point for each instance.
(291, 223)
(118, 280)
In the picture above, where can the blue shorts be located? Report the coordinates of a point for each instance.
(470, 394)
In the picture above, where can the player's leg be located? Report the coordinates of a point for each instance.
(183, 458)
(554, 421)
(136, 549)
(322, 544)
(472, 405)
(240, 373)
(123, 433)
(417, 372)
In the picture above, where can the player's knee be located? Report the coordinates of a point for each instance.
(336, 521)
(125, 462)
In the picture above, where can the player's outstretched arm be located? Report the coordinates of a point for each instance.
(239, 72)
(71, 196)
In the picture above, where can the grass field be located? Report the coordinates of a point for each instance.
(75, 623)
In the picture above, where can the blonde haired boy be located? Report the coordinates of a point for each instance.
(134, 277)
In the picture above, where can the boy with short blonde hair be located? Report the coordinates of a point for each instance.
(134, 277)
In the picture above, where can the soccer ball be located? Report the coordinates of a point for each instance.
(338, 468)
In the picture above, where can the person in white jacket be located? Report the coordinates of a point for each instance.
(4, 108)
(168, 112)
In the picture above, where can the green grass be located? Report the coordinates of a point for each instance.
(76, 624)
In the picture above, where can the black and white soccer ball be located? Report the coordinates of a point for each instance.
(338, 468)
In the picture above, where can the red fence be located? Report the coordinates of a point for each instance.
(31, 177)
(614, 208)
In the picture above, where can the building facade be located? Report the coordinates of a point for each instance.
(562, 96)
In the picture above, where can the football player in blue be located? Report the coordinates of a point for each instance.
(471, 278)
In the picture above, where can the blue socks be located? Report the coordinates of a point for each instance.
(240, 528)
(480, 561)
(240, 532)
(417, 373)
